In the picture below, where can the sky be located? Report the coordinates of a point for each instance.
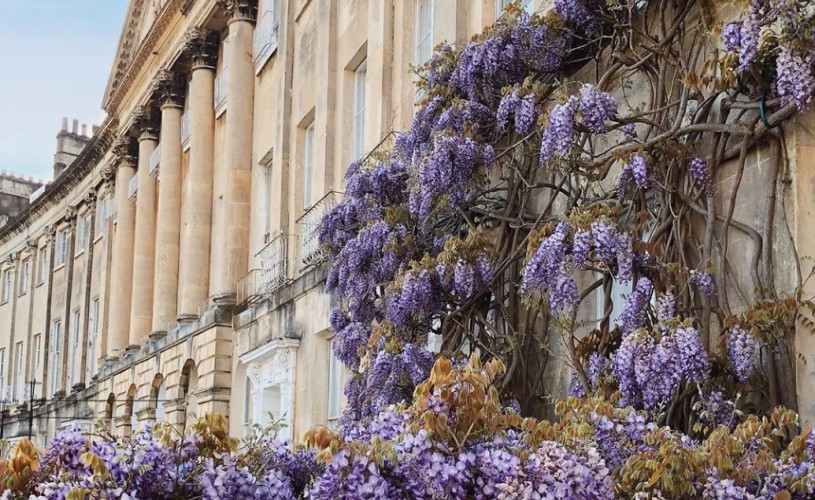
(56, 58)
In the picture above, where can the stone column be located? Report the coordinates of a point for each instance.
(233, 233)
(122, 258)
(141, 311)
(165, 291)
(202, 47)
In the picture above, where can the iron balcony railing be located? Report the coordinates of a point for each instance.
(133, 187)
(185, 130)
(155, 159)
(265, 41)
(312, 252)
(220, 92)
(274, 264)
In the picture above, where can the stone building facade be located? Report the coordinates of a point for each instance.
(173, 268)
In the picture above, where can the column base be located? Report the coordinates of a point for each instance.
(225, 299)
(132, 349)
(186, 318)
(157, 335)
(59, 394)
(111, 359)
(78, 387)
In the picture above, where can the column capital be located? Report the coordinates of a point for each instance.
(168, 87)
(124, 152)
(32, 244)
(13, 258)
(145, 123)
(108, 178)
(245, 10)
(201, 47)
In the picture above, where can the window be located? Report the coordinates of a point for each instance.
(19, 383)
(93, 332)
(334, 384)
(83, 233)
(266, 33)
(308, 166)
(25, 276)
(3, 373)
(74, 346)
(527, 5)
(267, 202)
(55, 349)
(35, 363)
(62, 247)
(6, 294)
(360, 78)
(247, 408)
(42, 267)
(101, 217)
(424, 31)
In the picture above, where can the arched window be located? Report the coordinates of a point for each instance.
(189, 387)
(109, 412)
(130, 412)
(158, 395)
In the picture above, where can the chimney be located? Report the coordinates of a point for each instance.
(84, 130)
(64, 124)
(75, 126)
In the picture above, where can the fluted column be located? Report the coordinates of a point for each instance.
(233, 232)
(197, 210)
(165, 291)
(122, 259)
(141, 312)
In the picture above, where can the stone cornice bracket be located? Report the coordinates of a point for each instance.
(145, 122)
(124, 152)
(13, 258)
(168, 88)
(201, 47)
(245, 10)
(90, 198)
(50, 233)
(70, 215)
(31, 244)
(108, 178)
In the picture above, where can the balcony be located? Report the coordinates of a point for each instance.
(220, 93)
(155, 159)
(133, 187)
(185, 130)
(312, 252)
(265, 41)
(272, 275)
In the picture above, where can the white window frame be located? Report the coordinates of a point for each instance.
(308, 167)
(360, 103)
(423, 46)
(55, 348)
(248, 408)
(526, 5)
(80, 235)
(62, 247)
(74, 347)
(93, 334)
(101, 217)
(42, 267)
(18, 373)
(7, 285)
(25, 276)
(267, 33)
(334, 404)
(267, 200)
(35, 363)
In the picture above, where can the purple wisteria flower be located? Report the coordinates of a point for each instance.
(741, 350)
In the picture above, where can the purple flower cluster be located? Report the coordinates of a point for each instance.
(560, 134)
(634, 172)
(465, 278)
(714, 409)
(649, 369)
(619, 438)
(701, 175)
(796, 81)
(741, 350)
(635, 311)
(596, 107)
(703, 281)
(731, 37)
(522, 109)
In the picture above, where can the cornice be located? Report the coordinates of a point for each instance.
(120, 86)
(56, 192)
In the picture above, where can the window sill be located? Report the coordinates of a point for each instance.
(4, 302)
(79, 253)
(302, 9)
(98, 238)
(58, 267)
(41, 283)
(22, 294)
(264, 59)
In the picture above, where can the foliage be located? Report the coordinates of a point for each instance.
(161, 463)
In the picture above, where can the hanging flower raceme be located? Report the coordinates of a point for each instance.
(741, 350)
(635, 173)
